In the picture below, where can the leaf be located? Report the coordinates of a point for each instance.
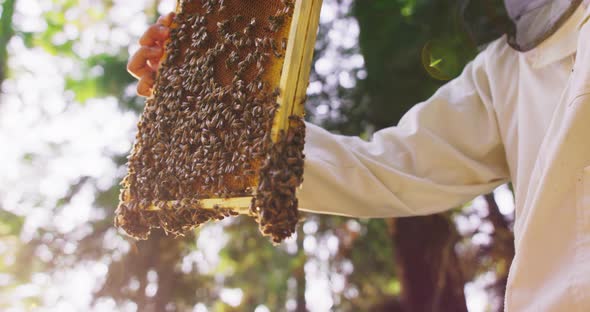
(10, 223)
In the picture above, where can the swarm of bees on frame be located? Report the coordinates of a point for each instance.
(206, 131)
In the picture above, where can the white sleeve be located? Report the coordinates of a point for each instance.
(444, 152)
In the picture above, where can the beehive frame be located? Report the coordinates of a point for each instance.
(293, 86)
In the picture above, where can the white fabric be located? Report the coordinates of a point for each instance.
(509, 116)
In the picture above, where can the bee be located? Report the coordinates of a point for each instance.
(223, 26)
(275, 50)
(276, 21)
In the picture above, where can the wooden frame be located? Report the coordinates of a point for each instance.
(293, 85)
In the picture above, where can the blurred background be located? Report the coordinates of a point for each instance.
(68, 111)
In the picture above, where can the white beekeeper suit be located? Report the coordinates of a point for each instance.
(519, 116)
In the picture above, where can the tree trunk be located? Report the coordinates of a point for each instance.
(427, 264)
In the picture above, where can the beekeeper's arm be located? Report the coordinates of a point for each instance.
(444, 152)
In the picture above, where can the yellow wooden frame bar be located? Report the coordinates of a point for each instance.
(293, 86)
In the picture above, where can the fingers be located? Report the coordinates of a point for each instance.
(138, 64)
(145, 62)
(167, 19)
(145, 85)
(154, 34)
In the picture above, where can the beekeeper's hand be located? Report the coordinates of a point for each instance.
(144, 64)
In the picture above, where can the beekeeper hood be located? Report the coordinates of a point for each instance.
(536, 20)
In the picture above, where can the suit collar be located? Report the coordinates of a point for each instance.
(563, 43)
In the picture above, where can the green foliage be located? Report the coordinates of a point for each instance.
(101, 75)
(10, 224)
(372, 255)
(6, 32)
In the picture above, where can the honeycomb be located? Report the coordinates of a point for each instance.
(206, 132)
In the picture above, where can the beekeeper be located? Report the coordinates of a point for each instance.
(519, 112)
